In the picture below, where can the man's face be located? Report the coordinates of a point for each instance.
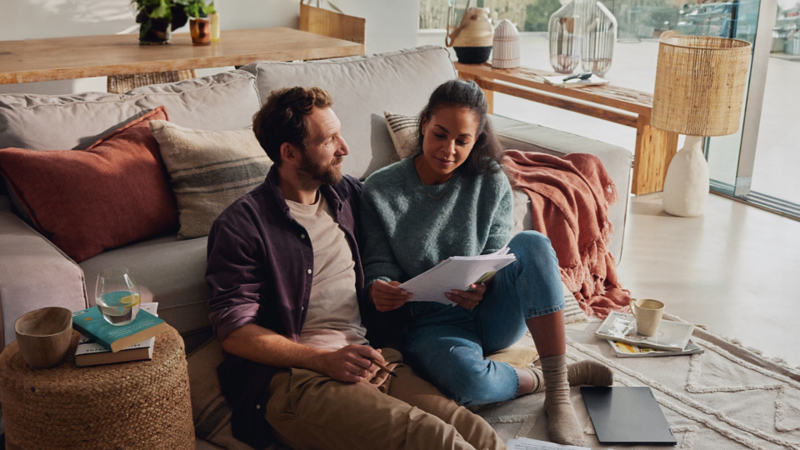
(325, 147)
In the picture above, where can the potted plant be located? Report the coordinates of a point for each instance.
(199, 25)
(157, 19)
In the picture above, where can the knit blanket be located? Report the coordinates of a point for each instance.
(570, 197)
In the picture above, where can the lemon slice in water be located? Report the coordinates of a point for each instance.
(130, 300)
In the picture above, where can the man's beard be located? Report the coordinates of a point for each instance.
(327, 174)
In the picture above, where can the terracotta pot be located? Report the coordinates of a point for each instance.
(201, 31)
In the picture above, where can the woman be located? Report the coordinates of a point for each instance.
(451, 199)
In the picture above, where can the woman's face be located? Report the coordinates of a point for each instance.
(448, 138)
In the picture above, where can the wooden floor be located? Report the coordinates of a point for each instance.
(735, 269)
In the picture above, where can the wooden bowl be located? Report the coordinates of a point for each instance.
(43, 336)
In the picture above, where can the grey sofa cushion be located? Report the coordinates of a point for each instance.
(226, 101)
(362, 88)
(174, 271)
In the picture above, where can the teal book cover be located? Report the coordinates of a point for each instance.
(90, 323)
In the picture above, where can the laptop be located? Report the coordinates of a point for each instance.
(627, 415)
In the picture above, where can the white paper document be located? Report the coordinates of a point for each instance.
(533, 444)
(456, 272)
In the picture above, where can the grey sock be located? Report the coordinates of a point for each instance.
(562, 423)
(538, 379)
(588, 372)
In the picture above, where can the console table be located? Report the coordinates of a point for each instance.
(654, 148)
(94, 56)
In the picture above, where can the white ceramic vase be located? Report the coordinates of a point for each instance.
(505, 46)
(686, 185)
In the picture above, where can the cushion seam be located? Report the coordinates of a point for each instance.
(132, 97)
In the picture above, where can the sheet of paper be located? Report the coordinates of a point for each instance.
(533, 444)
(457, 272)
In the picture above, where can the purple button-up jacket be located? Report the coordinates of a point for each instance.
(260, 264)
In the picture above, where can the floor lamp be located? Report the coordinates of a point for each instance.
(699, 91)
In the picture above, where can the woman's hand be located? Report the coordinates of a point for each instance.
(387, 296)
(467, 299)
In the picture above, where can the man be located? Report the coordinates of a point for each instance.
(287, 305)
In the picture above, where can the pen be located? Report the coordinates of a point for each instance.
(580, 76)
(386, 369)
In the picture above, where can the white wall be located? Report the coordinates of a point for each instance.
(391, 25)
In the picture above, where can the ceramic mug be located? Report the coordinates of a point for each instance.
(44, 335)
(648, 315)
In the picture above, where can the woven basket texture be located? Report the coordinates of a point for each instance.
(505, 48)
(144, 404)
(120, 84)
(700, 84)
(475, 30)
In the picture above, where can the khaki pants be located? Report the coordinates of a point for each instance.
(309, 410)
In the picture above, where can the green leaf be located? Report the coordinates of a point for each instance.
(162, 11)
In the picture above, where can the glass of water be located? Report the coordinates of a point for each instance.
(117, 296)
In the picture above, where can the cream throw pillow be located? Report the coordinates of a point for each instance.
(208, 170)
(403, 130)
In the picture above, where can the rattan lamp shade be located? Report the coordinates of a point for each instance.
(700, 84)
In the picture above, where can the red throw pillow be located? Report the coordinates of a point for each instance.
(85, 201)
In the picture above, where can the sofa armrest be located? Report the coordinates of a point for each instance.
(34, 273)
(616, 160)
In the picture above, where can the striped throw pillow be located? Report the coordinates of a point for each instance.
(403, 130)
(208, 170)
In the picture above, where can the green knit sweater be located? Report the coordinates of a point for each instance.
(409, 227)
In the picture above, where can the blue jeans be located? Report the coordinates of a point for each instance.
(447, 344)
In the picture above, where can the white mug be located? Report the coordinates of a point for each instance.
(648, 315)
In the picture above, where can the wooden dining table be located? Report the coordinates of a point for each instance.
(67, 58)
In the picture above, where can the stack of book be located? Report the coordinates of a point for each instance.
(672, 339)
(103, 343)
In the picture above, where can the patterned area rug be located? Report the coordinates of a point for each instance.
(728, 397)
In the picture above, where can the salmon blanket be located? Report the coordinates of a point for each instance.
(570, 197)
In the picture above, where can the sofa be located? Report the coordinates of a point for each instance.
(34, 272)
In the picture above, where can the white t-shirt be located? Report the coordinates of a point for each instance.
(333, 319)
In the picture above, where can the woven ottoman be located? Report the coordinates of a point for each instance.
(144, 404)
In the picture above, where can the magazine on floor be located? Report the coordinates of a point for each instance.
(623, 350)
(671, 336)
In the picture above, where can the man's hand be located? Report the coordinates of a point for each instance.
(467, 299)
(387, 296)
(350, 364)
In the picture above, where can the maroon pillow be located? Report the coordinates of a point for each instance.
(85, 201)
